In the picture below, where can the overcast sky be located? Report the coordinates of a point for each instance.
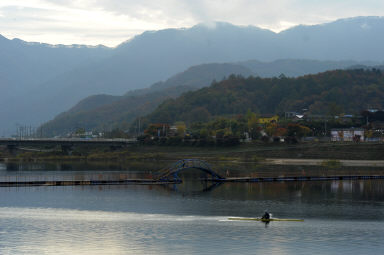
(111, 22)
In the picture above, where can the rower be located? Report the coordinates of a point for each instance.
(266, 216)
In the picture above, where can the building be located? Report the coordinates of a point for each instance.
(289, 115)
(268, 119)
(347, 135)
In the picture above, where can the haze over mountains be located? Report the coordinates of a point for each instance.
(105, 112)
(39, 81)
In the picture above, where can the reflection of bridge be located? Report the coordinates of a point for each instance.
(171, 173)
(66, 144)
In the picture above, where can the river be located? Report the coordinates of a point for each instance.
(340, 217)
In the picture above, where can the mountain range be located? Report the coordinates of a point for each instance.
(105, 112)
(38, 81)
(328, 93)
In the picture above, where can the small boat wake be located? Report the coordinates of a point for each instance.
(261, 219)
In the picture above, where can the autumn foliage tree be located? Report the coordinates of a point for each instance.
(297, 130)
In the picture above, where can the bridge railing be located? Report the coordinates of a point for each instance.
(174, 169)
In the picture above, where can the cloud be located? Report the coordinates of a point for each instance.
(113, 21)
(67, 25)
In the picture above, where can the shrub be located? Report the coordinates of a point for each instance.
(331, 163)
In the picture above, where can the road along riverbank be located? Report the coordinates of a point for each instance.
(323, 162)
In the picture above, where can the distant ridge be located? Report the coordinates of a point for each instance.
(40, 81)
(103, 112)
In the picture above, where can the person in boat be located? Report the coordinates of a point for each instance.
(266, 216)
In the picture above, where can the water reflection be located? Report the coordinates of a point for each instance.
(340, 217)
(198, 187)
(32, 231)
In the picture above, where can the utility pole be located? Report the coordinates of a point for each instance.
(139, 126)
(325, 128)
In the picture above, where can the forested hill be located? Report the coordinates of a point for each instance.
(104, 112)
(339, 91)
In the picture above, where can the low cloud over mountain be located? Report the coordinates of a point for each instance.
(39, 81)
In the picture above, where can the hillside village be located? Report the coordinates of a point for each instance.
(289, 128)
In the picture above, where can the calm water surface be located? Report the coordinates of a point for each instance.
(341, 217)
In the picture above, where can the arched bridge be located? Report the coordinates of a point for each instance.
(172, 171)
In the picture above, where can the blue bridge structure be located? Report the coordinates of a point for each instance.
(171, 173)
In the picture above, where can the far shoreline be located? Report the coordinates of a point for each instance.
(302, 154)
(319, 162)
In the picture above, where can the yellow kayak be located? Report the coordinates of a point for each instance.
(264, 220)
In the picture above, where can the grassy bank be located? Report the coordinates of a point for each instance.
(241, 153)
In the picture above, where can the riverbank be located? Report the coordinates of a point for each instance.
(347, 154)
(323, 162)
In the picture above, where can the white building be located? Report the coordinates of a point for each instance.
(347, 135)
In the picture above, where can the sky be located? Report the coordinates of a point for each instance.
(111, 22)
